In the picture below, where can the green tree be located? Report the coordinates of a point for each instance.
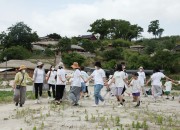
(113, 54)
(18, 34)
(68, 59)
(88, 45)
(48, 52)
(54, 36)
(15, 52)
(155, 29)
(64, 44)
(100, 27)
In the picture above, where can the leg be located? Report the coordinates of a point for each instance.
(61, 91)
(36, 90)
(53, 90)
(40, 89)
(16, 95)
(97, 95)
(22, 95)
(58, 92)
(158, 91)
(49, 92)
(73, 94)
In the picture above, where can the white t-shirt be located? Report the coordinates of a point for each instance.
(156, 78)
(84, 75)
(141, 77)
(76, 81)
(61, 73)
(119, 77)
(98, 76)
(39, 75)
(112, 85)
(168, 85)
(52, 76)
(136, 86)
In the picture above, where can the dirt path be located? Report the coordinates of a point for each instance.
(164, 114)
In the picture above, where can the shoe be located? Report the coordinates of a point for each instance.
(95, 105)
(120, 105)
(20, 105)
(39, 100)
(49, 98)
(172, 97)
(123, 100)
(87, 96)
(36, 101)
(167, 98)
(16, 104)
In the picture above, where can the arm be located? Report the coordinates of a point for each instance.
(90, 77)
(148, 81)
(29, 78)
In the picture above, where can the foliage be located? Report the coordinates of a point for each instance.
(48, 52)
(54, 36)
(121, 43)
(64, 44)
(68, 59)
(109, 64)
(18, 34)
(155, 29)
(15, 52)
(88, 45)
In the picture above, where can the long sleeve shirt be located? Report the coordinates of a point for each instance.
(19, 77)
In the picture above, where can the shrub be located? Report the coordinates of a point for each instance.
(48, 52)
(121, 43)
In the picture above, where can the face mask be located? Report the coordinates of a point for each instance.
(140, 70)
(23, 71)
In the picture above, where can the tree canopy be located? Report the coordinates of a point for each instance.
(155, 29)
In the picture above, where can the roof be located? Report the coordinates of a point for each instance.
(89, 37)
(137, 46)
(176, 48)
(18, 63)
(76, 47)
(46, 43)
(37, 47)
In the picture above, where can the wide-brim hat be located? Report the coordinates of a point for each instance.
(75, 65)
(140, 67)
(39, 64)
(22, 67)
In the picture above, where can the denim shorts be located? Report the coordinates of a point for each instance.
(83, 87)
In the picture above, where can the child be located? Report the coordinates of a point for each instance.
(136, 88)
(168, 86)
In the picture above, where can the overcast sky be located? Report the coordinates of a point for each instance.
(73, 17)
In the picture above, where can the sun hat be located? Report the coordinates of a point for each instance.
(140, 67)
(22, 67)
(61, 64)
(39, 63)
(75, 65)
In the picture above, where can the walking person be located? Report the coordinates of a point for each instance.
(75, 90)
(20, 81)
(61, 83)
(142, 79)
(99, 79)
(51, 80)
(136, 88)
(156, 83)
(39, 79)
(83, 84)
(119, 78)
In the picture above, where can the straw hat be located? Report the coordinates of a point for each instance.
(39, 63)
(22, 67)
(75, 65)
(140, 67)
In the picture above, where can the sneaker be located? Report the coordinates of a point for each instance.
(123, 100)
(120, 105)
(36, 101)
(172, 97)
(167, 98)
(49, 98)
(95, 105)
(20, 105)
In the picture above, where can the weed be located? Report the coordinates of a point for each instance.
(117, 121)
(86, 117)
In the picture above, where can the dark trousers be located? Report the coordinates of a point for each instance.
(53, 90)
(59, 91)
(38, 89)
(87, 89)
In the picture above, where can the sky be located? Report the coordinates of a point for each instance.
(73, 17)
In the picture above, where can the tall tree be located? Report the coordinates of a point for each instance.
(155, 29)
(18, 34)
(100, 27)
(54, 36)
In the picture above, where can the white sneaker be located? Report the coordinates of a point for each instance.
(39, 100)
(95, 105)
(36, 101)
(120, 105)
(49, 98)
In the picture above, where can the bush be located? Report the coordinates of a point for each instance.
(121, 43)
(48, 52)
(68, 59)
(109, 64)
(15, 52)
(113, 54)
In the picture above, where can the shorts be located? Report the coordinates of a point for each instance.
(83, 87)
(167, 92)
(136, 94)
(119, 91)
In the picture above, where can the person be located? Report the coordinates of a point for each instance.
(75, 90)
(39, 79)
(20, 81)
(156, 83)
(99, 79)
(83, 84)
(142, 79)
(120, 79)
(136, 88)
(112, 86)
(61, 83)
(168, 87)
(51, 80)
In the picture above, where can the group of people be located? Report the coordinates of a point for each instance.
(117, 83)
